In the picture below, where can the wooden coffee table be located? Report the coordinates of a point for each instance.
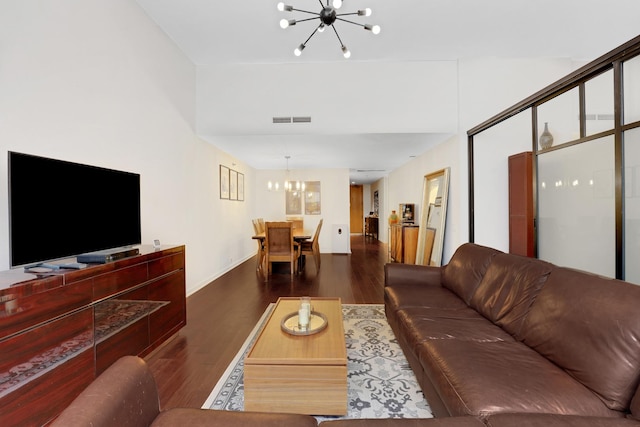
(298, 374)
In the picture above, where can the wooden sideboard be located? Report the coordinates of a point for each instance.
(59, 330)
(403, 243)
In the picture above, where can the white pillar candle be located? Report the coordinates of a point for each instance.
(303, 317)
(305, 303)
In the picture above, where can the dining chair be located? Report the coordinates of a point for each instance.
(280, 245)
(312, 247)
(261, 225)
(261, 252)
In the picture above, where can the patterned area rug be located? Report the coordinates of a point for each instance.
(381, 384)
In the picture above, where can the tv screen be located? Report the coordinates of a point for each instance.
(60, 209)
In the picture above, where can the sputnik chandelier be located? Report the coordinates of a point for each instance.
(328, 15)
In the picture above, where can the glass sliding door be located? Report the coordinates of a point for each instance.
(632, 205)
(587, 193)
(599, 104)
(631, 79)
(562, 117)
(576, 207)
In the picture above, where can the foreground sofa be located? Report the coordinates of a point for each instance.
(493, 333)
(126, 395)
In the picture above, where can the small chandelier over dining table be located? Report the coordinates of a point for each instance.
(328, 15)
(288, 185)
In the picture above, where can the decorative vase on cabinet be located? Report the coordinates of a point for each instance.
(546, 139)
(393, 218)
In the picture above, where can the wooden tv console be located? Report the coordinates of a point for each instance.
(60, 330)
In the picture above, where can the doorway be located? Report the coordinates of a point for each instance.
(355, 209)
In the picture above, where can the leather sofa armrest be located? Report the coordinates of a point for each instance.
(125, 395)
(409, 274)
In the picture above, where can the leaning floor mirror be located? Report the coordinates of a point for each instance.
(433, 217)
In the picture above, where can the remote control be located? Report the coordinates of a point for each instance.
(74, 265)
(48, 265)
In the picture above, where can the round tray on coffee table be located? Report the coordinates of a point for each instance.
(317, 322)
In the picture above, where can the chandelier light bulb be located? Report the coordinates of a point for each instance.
(286, 23)
(364, 12)
(345, 52)
(298, 51)
(375, 29)
(284, 7)
(321, 28)
(337, 4)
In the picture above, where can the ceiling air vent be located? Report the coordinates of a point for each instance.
(296, 119)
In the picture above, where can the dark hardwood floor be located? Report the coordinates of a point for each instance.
(222, 314)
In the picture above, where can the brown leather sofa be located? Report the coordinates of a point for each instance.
(493, 333)
(126, 395)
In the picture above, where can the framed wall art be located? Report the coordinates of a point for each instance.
(240, 186)
(224, 182)
(233, 185)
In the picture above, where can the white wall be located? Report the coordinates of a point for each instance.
(341, 98)
(97, 82)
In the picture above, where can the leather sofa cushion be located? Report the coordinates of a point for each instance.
(551, 420)
(411, 274)
(419, 324)
(589, 326)
(508, 288)
(402, 296)
(481, 379)
(466, 268)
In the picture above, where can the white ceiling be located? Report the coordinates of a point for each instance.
(214, 32)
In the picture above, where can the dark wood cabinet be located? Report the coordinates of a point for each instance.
(59, 330)
(521, 213)
(371, 226)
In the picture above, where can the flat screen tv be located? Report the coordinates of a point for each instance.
(60, 209)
